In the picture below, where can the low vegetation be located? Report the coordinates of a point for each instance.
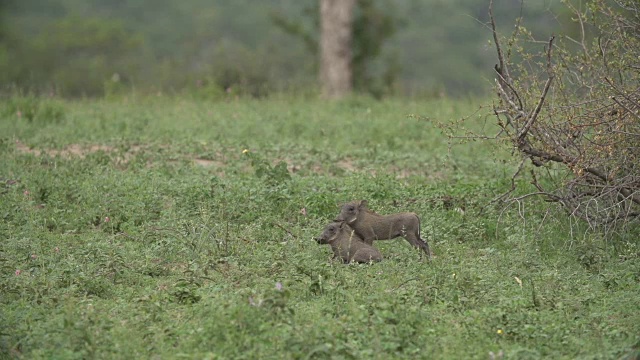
(174, 228)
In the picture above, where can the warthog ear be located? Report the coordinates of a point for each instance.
(362, 205)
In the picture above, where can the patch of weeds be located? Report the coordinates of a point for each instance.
(154, 305)
(5, 145)
(275, 300)
(623, 276)
(99, 158)
(82, 326)
(591, 254)
(185, 291)
(51, 112)
(316, 276)
(94, 286)
(33, 109)
(272, 175)
(155, 268)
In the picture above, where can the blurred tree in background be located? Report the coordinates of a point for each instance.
(372, 26)
(336, 34)
(212, 48)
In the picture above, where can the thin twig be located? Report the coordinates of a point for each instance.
(547, 85)
(503, 65)
(513, 183)
(286, 230)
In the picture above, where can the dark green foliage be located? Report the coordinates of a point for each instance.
(374, 25)
(219, 49)
(75, 56)
(272, 175)
(33, 109)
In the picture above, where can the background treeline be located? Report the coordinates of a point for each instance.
(215, 47)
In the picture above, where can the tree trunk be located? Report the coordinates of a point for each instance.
(335, 47)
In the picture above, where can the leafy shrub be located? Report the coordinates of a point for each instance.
(34, 109)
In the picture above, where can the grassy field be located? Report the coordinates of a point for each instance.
(170, 228)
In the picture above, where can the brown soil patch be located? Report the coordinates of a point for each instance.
(73, 150)
(347, 164)
(218, 161)
(81, 151)
(208, 162)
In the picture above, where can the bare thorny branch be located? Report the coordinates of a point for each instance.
(591, 131)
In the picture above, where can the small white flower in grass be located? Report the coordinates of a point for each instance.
(253, 302)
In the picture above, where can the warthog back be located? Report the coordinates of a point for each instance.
(371, 226)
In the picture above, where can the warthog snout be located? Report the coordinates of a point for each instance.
(347, 245)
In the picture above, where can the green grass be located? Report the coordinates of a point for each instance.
(199, 233)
